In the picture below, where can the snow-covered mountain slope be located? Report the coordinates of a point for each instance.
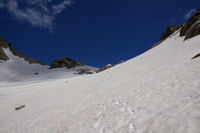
(156, 92)
(19, 69)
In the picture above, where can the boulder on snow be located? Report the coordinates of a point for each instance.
(104, 68)
(36, 73)
(20, 107)
(65, 62)
(198, 55)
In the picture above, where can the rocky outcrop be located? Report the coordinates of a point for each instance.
(192, 20)
(190, 29)
(3, 44)
(104, 68)
(193, 31)
(3, 56)
(62, 62)
(169, 31)
(65, 62)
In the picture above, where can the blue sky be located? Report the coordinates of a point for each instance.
(96, 32)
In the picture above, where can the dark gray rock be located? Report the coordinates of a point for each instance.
(36, 73)
(198, 55)
(20, 107)
(65, 62)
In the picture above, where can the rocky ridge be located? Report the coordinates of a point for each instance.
(190, 29)
(62, 62)
(4, 44)
(185, 29)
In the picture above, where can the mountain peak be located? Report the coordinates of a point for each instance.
(191, 21)
(3, 56)
(190, 29)
(65, 62)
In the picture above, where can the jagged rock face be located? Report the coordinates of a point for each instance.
(65, 62)
(3, 56)
(104, 68)
(189, 23)
(169, 31)
(190, 29)
(193, 31)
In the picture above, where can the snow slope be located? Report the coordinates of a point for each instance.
(156, 92)
(17, 69)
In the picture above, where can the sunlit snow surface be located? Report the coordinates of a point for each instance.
(156, 92)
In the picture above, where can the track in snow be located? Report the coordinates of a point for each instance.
(115, 116)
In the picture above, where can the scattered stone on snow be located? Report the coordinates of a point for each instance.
(20, 107)
(198, 55)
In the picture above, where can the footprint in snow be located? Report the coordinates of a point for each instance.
(115, 116)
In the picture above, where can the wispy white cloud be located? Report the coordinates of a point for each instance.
(61, 6)
(189, 13)
(39, 13)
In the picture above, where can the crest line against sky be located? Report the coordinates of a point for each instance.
(96, 32)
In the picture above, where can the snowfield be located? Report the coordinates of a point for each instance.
(156, 92)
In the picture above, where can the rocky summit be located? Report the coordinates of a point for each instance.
(188, 30)
(65, 62)
(191, 24)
